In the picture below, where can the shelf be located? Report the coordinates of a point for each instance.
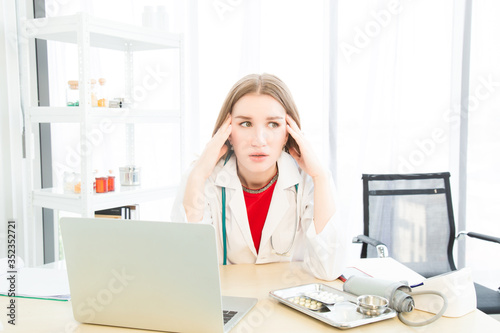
(116, 115)
(125, 195)
(86, 32)
(103, 33)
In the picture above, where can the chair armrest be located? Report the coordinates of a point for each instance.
(382, 250)
(481, 236)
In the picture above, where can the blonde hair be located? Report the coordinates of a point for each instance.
(265, 84)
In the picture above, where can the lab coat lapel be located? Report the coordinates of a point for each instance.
(239, 210)
(235, 201)
(279, 206)
(288, 176)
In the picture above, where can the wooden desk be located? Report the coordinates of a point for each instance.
(267, 316)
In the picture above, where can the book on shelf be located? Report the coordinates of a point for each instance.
(123, 213)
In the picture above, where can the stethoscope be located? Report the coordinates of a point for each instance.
(224, 235)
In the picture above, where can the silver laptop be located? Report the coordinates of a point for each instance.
(148, 275)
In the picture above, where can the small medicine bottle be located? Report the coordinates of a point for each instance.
(101, 184)
(161, 18)
(148, 17)
(111, 181)
(102, 96)
(68, 182)
(72, 94)
(77, 183)
(93, 95)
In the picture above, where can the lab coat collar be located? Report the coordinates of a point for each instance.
(289, 174)
(228, 175)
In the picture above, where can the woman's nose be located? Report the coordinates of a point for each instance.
(259, 137)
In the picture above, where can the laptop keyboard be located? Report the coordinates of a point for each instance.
(228, 315)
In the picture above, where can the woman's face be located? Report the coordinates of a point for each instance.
(258, 133)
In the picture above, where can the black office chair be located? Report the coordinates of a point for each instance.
(412, 215)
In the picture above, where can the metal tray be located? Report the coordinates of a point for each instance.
(342, 315)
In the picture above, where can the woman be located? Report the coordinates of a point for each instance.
(260, 184)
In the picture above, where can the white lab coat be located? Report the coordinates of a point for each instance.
(323, 254)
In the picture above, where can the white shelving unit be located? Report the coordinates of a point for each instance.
(87, 32)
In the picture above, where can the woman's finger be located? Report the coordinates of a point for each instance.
(292, 123)
(294, 129)
(223, 132)
(225, 125)
(296, 135)
(295, 154)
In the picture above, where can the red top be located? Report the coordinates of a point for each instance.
(257, 208)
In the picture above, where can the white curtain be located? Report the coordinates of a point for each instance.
(394, 88)
(483, 160)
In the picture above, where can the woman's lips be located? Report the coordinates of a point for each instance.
(258, 157)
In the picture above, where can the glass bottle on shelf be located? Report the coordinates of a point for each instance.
(67, 182)
(93, 95)
(148, 16)
(102, 96)
(161, 18)
(72, 93)
(111, 181)
(72, 182)
(77, 183)
(101, 183)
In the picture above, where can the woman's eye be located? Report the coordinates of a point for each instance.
(274, 125)
(246, 124)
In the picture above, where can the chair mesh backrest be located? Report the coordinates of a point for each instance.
(413, 216)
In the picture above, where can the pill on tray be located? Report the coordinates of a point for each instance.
(309, 301)
(325, 296)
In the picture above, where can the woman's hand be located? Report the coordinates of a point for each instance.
(194, 196)
(324, 203)
(307, 159)
(214, 150)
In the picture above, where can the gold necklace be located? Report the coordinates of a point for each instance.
(262, 189)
